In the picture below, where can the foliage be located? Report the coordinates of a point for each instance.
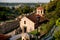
(6, 13)
(58, 9)
(3, 16)
(53, 13)
(24, 10)
(51, 6)
(57, 35)
(46, 27)
(19, 11)
(58, 22)
(34, 32)
(52, 10)
(37, 5)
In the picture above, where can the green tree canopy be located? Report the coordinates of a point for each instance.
(57, 35)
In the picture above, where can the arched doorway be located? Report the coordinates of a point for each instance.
(25, 29)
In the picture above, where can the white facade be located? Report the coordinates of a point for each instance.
(28, 24)
(40, 11)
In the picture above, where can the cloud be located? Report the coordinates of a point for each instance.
(25, 1)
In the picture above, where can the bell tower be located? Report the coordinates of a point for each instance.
(40, 11)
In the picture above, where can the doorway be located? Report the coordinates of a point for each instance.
(25, 29)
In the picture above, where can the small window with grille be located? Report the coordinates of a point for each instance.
(24, 22)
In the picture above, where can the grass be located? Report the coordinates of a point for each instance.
(34, 32)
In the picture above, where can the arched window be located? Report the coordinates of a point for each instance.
(24, 22)
(41, 11)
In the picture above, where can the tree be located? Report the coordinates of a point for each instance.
(58, 22)
(26, 9)
(58, 8)
(51, 6)
(19, 11)
(57, 35)
(3, 16)
(53, 9)
(37, 5)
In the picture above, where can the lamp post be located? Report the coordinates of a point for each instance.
(38, 19)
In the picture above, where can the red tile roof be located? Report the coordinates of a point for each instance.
(40, 8)
(33, 17)
(3, 37)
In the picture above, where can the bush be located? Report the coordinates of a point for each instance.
(34, 32)
(48, 26)
(58, 22)
(57, 35)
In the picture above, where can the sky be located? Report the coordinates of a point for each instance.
(25, 1)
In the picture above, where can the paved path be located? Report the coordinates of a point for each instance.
(15, 37)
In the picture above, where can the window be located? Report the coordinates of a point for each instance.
(24, 22)
(38, 11)
(41, 12)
